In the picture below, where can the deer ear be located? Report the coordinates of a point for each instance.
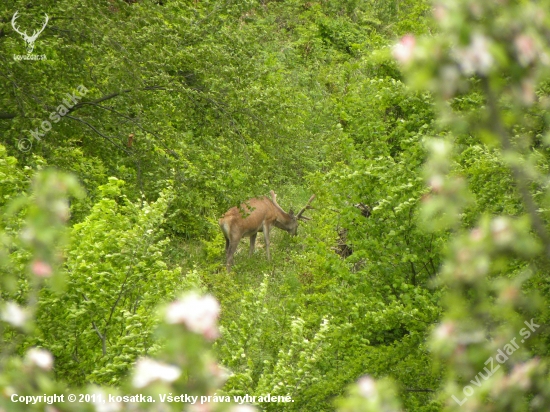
(291, 213)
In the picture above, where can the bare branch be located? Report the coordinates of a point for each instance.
(101, 337)
(136, 124)
(99, 133)
(113, 95)
(4, 116)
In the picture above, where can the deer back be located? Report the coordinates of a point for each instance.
(249, 218)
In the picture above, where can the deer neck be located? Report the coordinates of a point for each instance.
(281, 216)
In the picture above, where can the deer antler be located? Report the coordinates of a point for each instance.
(273, 197)
(299, 215)
(37, 33)
(306, 207)
(274, 200)
(15, 16)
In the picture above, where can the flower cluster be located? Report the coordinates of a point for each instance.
(148, 370)
(198, 313)
(41, 358)
(14, 315)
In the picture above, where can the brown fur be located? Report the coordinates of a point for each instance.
(255, 215)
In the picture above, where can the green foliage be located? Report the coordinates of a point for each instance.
(124, 323)
(115, 278)
(427, 252)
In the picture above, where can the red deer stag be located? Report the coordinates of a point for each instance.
(257, 215)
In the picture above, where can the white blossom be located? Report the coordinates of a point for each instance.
(475, 58)
(502, 231)
(367, 386)
(203, 407)
(243, 408)
(445, 330)
(14, 314)
(449, 75)
(404, 50)
(198, 313)
(436, 183)
(440, 147)
(41, 358)
(102, 403)
(147, 371)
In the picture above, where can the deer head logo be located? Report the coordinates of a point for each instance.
(28, 39)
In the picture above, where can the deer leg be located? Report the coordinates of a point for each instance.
(226, 245)
(266, 237)
(229, 254)
(252, 243)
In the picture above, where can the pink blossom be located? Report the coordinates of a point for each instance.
(464, 255)
(148, 370)
(41, 358)
(41, 269)
(526, 49)
(198, 313)
(404, 50)
(219, 371)
(476, 9)
(476, 234)
(440, 12)
(528, 91)
(510, 294)
(475, 58)
(521, 373)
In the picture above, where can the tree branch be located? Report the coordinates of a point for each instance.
(116, 302)
(102, 337)
(159, 139)
(521, 179)
(112, 96)
(98, 132)
(9, 116)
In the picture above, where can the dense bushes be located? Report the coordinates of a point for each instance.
(430, 171)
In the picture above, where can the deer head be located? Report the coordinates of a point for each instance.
(292, 225)
(28, 39)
